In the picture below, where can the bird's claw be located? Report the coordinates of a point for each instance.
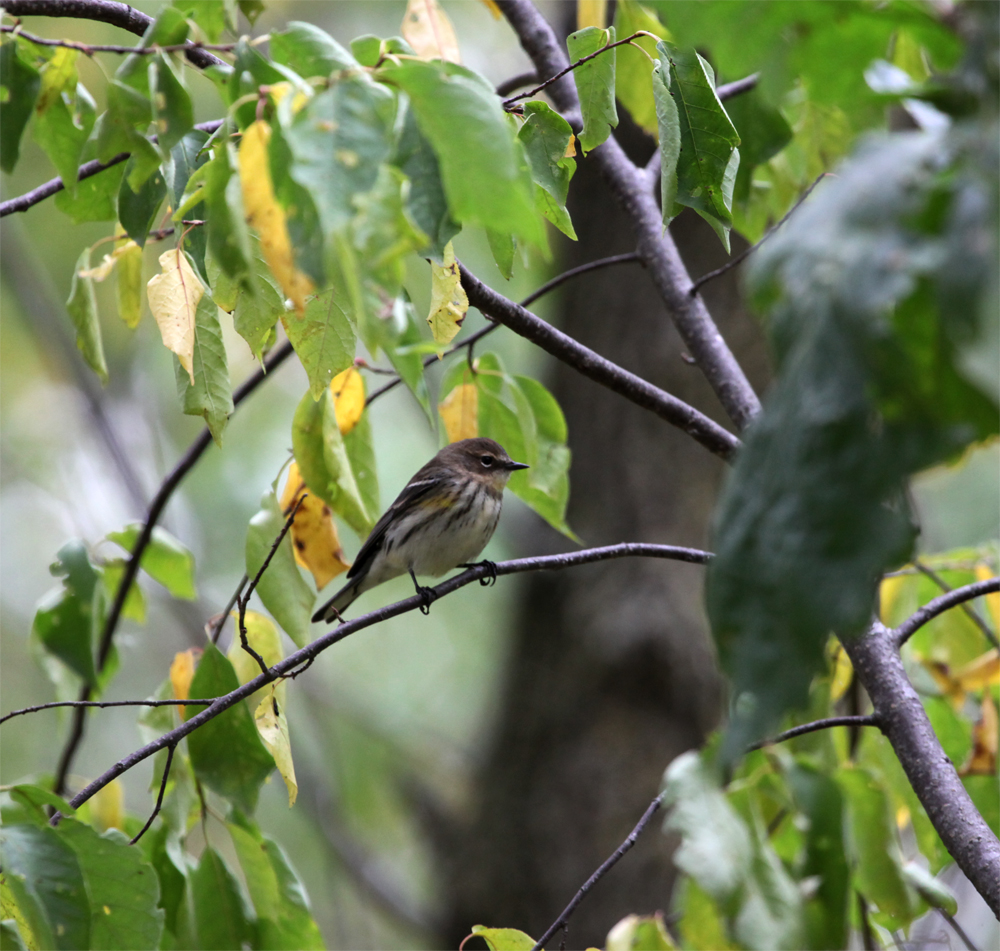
(491, 577)
(427, 596)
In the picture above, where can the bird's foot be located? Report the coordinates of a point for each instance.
(488, 579)
(427, 595)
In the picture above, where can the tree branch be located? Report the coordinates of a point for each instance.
(54, 185)
(307, 654)
(604, 868)
(104, 11)
(939, 605)
(825, 724)
(656, 248)
(101, 704)
(494, 305)
(902, 718)
(170, 484)
(159, 798)
(967, 608)
(89, 49)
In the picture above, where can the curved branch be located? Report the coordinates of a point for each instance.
(88, 49)
(104, 11)
(307, 654)
(939, 605)
(54, 185)
(630, 186)
(967, 609)
(494, 305)
(183, 467)
(100, 703)
(825, 724)
(902, 718)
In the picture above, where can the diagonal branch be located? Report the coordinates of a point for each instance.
(88, 49)
(940, 604)
(824, 724)
(497, 307)
(308, 653)
(967, 609)
(656, 248)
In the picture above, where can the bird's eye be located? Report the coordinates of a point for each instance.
(487, 461)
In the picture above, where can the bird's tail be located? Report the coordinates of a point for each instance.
(340, 601)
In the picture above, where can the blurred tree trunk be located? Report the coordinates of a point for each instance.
(612, 673)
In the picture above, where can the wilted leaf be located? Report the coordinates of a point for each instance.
(182, 673)
(314, 534)
(107, 807)
(267, 216)
(272, 726)
(595, 84)
(449, 303)
(82, 307)
(460, 412)
(174, 295)
(984, 573)
(128, 277)
(428, 30)
(982, 760)
(348, 392)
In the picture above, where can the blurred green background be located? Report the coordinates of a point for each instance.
(410, 700)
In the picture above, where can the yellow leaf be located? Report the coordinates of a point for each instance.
(278, 91)
(314, 534)
(57, 75)
(950, 688)
(902, 816)
(887, 593)
(273, 729)
(429, 31)
(267, 216)
(982, 759)
(570, 147)
(591, 13)
(460, 412)
(984, 573)
(348, 391)
(980, 673)
(173, 298)
(843, 672)
(128, 278)
(182, 673)
(491, 5)
(263, 637)
(107, 807)
(449, 303)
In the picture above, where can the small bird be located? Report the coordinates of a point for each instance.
(441, 520)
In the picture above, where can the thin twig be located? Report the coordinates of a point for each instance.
(605, 867)
(941, 604)
(732, 262)
(167, 489)
(957, 928)
(972, 614)
(824, 724)
(100, 703)
(516, 82)
(244, 599)
(294, 660)
(221, 622)
(507, 103)
(159, 798)
(531, 298)
(89, 49)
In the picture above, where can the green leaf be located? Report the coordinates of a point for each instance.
(866, 317)
(763, 133)
(209, 15)
(173, 880)
(323, 339)
(338, 141)
(251, 9)
(282, 588)
(360, 451)
(95, 198)
(460, 115)
(173, 112)
(211, 393)
(409, 364)
(426, 203)
(82, 308)
(878, 872)
(221, 916)
(170, 28)
(186, 157)
(64, 115)
(19, 85)
(635, 62)
(228, 235)
(65, 622)
(669, 129)
(44, 875)
(226, 752)
(932, 890)
(259, 302)
(37, 799)
(545, 136)
(504, 939)
(121, 885)
(502, 247)
(117, 131)
(112, 575)
(309, 50)
(367, 49)
(283, 916)
(702, 924)
(10, 935)
(595, 84)
(708, 157)
(165, 559)
(137, 210)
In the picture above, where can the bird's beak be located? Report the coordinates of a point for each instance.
(516, 465)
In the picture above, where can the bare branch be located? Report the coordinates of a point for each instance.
(104, 11)
(169, 485)
(494, 305)
(159, 798)
(630, 186)
(55, 185)
(516, 82)
(902, 718)
(957, 928)
(89, 49)
(99, 703)
(740, 258)
(971, 613)
(825, 724)
(941, 604)
(605, 867)
(305, 655)
(737, 87)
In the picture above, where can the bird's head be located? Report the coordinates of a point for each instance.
(482, 459)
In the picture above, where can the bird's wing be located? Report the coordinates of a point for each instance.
(414, 490)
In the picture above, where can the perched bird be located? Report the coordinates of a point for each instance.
(441, 520)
